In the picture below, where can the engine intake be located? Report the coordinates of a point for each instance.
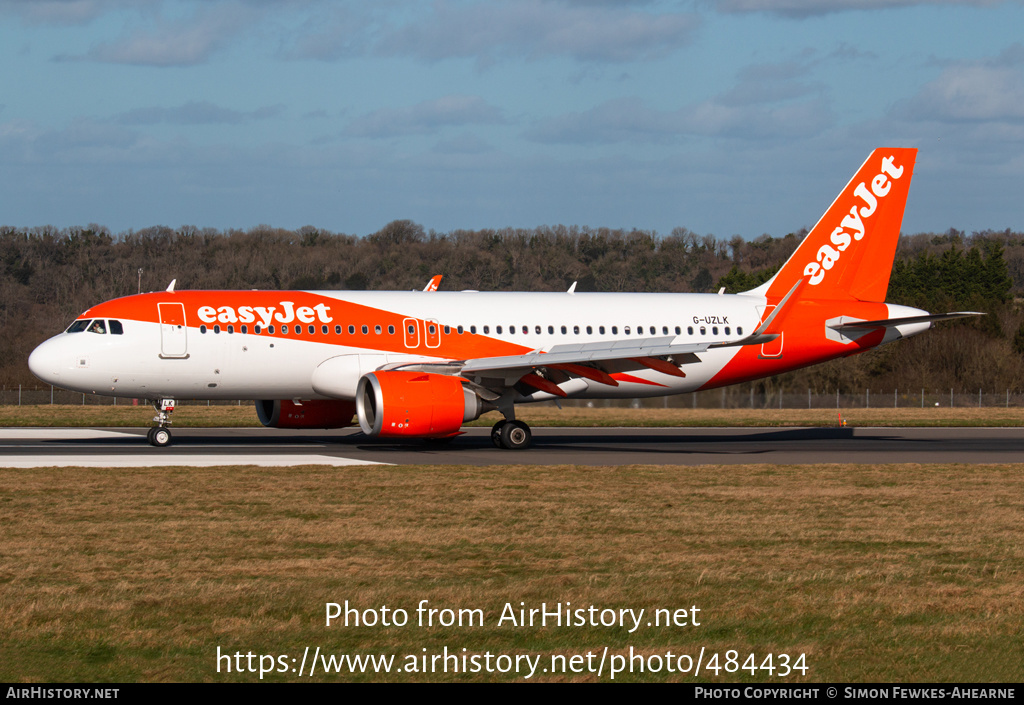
(315, 413)
(401, 403)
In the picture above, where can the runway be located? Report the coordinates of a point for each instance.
(552, 446)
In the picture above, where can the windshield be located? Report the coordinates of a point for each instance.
(78, 326)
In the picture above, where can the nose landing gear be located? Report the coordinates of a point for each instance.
(160, 435)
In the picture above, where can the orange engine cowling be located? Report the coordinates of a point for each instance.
(400, 403)
(315, 413)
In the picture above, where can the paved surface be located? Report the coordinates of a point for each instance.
(552, 446)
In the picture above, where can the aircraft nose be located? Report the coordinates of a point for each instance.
(45, 362)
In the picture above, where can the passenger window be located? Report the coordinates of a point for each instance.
(537, 330)
(689, 330)
(324, 330)
(739, 331)
(270, 329)
(459, 330)
(298, 330)
(498, 329)
(447, 330)
(511, 330)
(366, 329)
(231, 329)
(337, 330)
(715, 330)
(216, 329)
(626, 330)
(202, 329)
(590, 330)
(472, 329)
(378, 330)
(284, 330)
(727, 330)
(563, 330)
(615, 330)
(703, 330)
(678, 330)
(664, 330)
(245, 330)
(551, 330)
(432, 329)
(391, 330)
(116, 328)
(526, 329)
(352, 330)
(576, 330)
(256, 329)
(487, 329)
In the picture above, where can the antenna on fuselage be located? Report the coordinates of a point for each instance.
(170, 287)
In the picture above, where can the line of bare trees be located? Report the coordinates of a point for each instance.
(49, 275)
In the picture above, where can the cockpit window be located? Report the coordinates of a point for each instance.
(116, 328)
(98, 326)
(78, 326)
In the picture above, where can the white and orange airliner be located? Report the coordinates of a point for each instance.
(419, 364)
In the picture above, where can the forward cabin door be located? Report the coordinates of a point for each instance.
(772, 348)
(173, 331)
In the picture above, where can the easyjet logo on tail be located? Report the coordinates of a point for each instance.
(853, 225)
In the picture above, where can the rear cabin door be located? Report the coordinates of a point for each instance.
(773, 348)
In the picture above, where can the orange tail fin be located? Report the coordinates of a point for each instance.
(849, 253)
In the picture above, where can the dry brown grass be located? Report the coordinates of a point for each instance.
(890, 573)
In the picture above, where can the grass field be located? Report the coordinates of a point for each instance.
(888, 573)
(542, 415)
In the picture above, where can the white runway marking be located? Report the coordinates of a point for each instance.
(150, 459)
(170, 459)
(58, 434)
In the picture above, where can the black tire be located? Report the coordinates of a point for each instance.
(516, 435)
(496, 433)
(160, 437)
(149, 436)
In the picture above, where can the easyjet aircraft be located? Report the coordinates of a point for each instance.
(421, 363)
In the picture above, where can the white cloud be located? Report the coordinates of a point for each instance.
(196, 113)
(979, 91)
(535, 29)
(768, 100)
(806, 8)
(426, 117)
(186, 42)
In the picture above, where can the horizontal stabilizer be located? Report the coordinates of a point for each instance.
(891, 322)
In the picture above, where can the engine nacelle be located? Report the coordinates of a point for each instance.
(401, 403)
(315, 413)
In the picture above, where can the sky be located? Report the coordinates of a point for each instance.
(726, 117)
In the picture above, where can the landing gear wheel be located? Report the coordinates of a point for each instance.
(159, 436)
(496, 433)
(515, 435)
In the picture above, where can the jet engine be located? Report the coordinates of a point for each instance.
(315, 413)
(402, 403)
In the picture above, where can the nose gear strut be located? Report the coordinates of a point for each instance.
(160, 435)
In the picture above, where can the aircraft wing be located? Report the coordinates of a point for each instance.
(588, 353)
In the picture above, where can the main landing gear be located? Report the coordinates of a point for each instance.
(160, 435)
(511, 435)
